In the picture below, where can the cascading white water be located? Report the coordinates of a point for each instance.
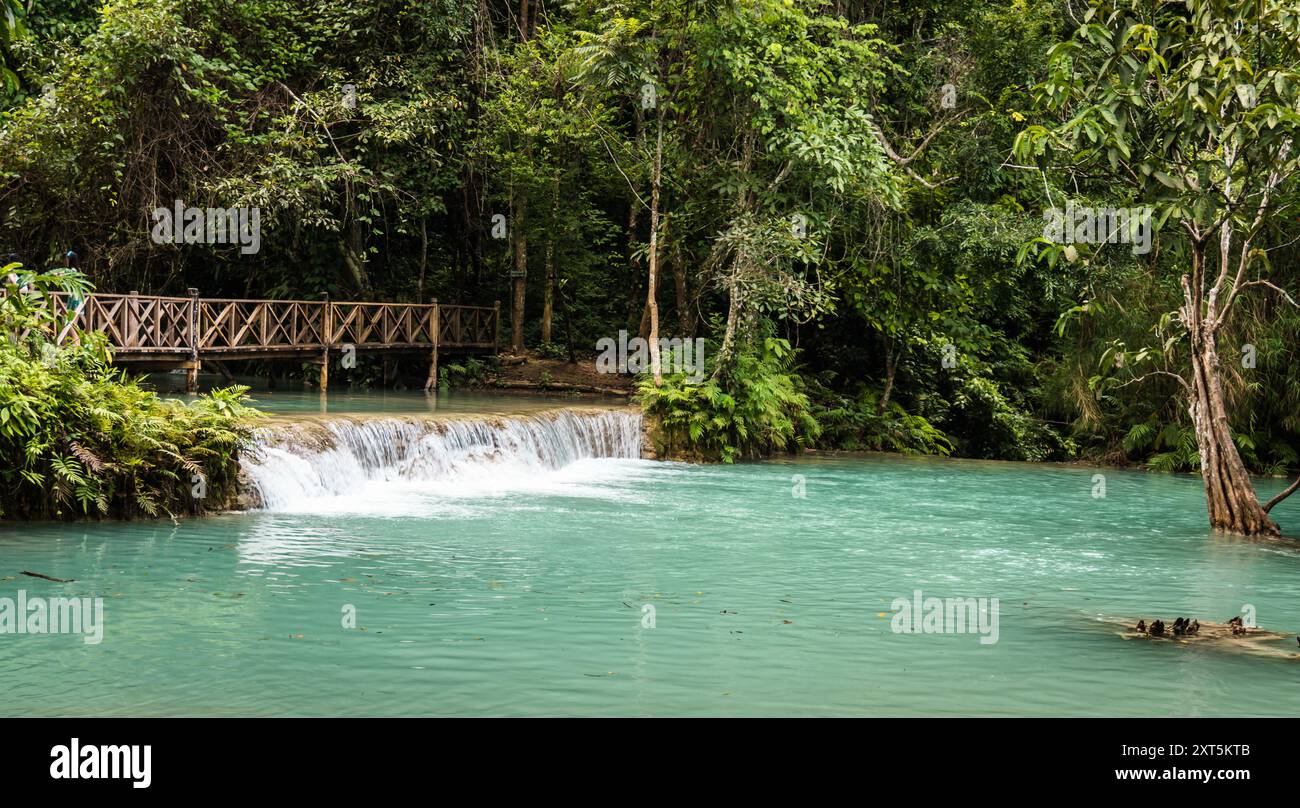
(299, 461)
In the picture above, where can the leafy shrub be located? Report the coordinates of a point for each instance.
(985, 416)
(993, 428)
(79, 439)
(856, 423)
(764, 411)
(470, 373)
(551, 350)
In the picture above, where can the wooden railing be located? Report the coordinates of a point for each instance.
(134, 323)
(408, 324)
(138, 326)
(242, 325)
(475, 325)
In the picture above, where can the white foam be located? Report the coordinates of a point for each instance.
(423, 466)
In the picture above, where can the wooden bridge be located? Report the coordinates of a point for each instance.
(150, 331)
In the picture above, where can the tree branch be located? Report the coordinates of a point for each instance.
(1146, 376)
(1290, 489)
(896, 157)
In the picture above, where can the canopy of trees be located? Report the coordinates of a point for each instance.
(845, 198)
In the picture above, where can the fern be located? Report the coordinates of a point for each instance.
(79, 438)
(764, 411)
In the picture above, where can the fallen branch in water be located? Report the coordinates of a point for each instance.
(48, 578)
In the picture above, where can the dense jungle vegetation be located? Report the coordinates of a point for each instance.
(845, 198)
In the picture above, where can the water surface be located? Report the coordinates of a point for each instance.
(521, 590)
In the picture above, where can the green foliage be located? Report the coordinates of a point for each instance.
(811, 178)
(550, 350)
(857, 423)
(12, 27)
(1192, 109)
(994, 428)
(1192, 106)
(77, 439)
(1130, 326)
(472, 372)
(1171, 446)
(766, 411)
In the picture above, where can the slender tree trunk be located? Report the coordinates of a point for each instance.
(548, 291)
(520, 275)
(521, 237)
(643, 330)
(633, 263)
(735, 311)
(634, 267)
(424, 258)
(562, 302)
(354, 257)
(726, 351)
(890, 365)
(474, 216)
(651, 303)
(356, 264)
(684, 319)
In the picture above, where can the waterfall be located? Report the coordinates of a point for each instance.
(340, 455)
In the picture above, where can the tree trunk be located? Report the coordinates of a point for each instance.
(521, 238)
(548, 291)
(684, 320)
(563, 304)
(1229, 495)
(726, 352)
(633, 263)
(354, 258)
(890, 365)
(424, 258)
(651, 304)
(520, 275)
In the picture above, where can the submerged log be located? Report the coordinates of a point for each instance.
(1218, 636)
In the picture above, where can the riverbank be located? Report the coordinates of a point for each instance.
(530, 372)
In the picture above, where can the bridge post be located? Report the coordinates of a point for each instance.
(192, 369)
(130, 335)
(435, 330)
(496, 327)
(327, 323)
